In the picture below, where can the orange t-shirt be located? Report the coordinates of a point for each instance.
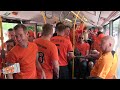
(77, 34)
(97, 43)
(67, 37)
(64, 46)
(47, 53)
(71, 36)
(26, 57)
(105, 67)
(94, 37)
(100, 36)
(82, 48)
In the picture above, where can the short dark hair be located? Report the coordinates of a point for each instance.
(10, 29)
(20, 26)
(61, 28)
(47, 29)
(11, 40)
(85, 28)
(58, 25)
(99, 32)
(67, 26)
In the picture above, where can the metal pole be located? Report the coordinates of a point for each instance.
(74, 44)
(2, 44)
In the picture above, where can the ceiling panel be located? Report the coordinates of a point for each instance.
(92, 16)
(91, 12)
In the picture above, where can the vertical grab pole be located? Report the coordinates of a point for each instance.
(2, 44)
(44, 17)
(74, 43)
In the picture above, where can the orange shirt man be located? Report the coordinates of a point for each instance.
(26, 58)
(48, 53)
(11, 34)
(105, 69)
(10, 44)
(97, 42)
(31, 36)
(25, 54)
(106, 66)
(67, 32)
(64, 48)
(83, 48)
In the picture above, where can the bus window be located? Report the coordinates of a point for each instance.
(115, 32)
(107, 30)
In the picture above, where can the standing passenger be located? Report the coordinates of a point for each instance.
(106, 66)
(64, 50)
(24, 53)
(48, 54)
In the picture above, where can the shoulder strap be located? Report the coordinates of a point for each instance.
(113, 52)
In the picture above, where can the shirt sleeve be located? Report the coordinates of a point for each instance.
(11, 57)
(70, 48)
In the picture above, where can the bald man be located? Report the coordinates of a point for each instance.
(105, 67)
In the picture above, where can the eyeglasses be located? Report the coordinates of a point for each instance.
(81, 37)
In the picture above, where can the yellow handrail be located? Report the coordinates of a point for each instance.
(44, 17)
(2, 44)
(77, 15)
(74, 44)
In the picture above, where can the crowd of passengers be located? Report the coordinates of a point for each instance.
(51, 54)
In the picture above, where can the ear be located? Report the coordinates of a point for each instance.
(27, 34)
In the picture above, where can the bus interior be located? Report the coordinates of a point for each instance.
(34, 20)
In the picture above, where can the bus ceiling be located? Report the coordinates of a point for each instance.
(13, 20)
(90, 18)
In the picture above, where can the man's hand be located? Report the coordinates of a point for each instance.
(88, 56)
(43, 76)
(82, 59)
(94, 52)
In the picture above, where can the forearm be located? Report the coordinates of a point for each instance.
(71, 56)
(96, 56)
(56, 71)
(87, 53)
(39, 67)
(55, 64)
